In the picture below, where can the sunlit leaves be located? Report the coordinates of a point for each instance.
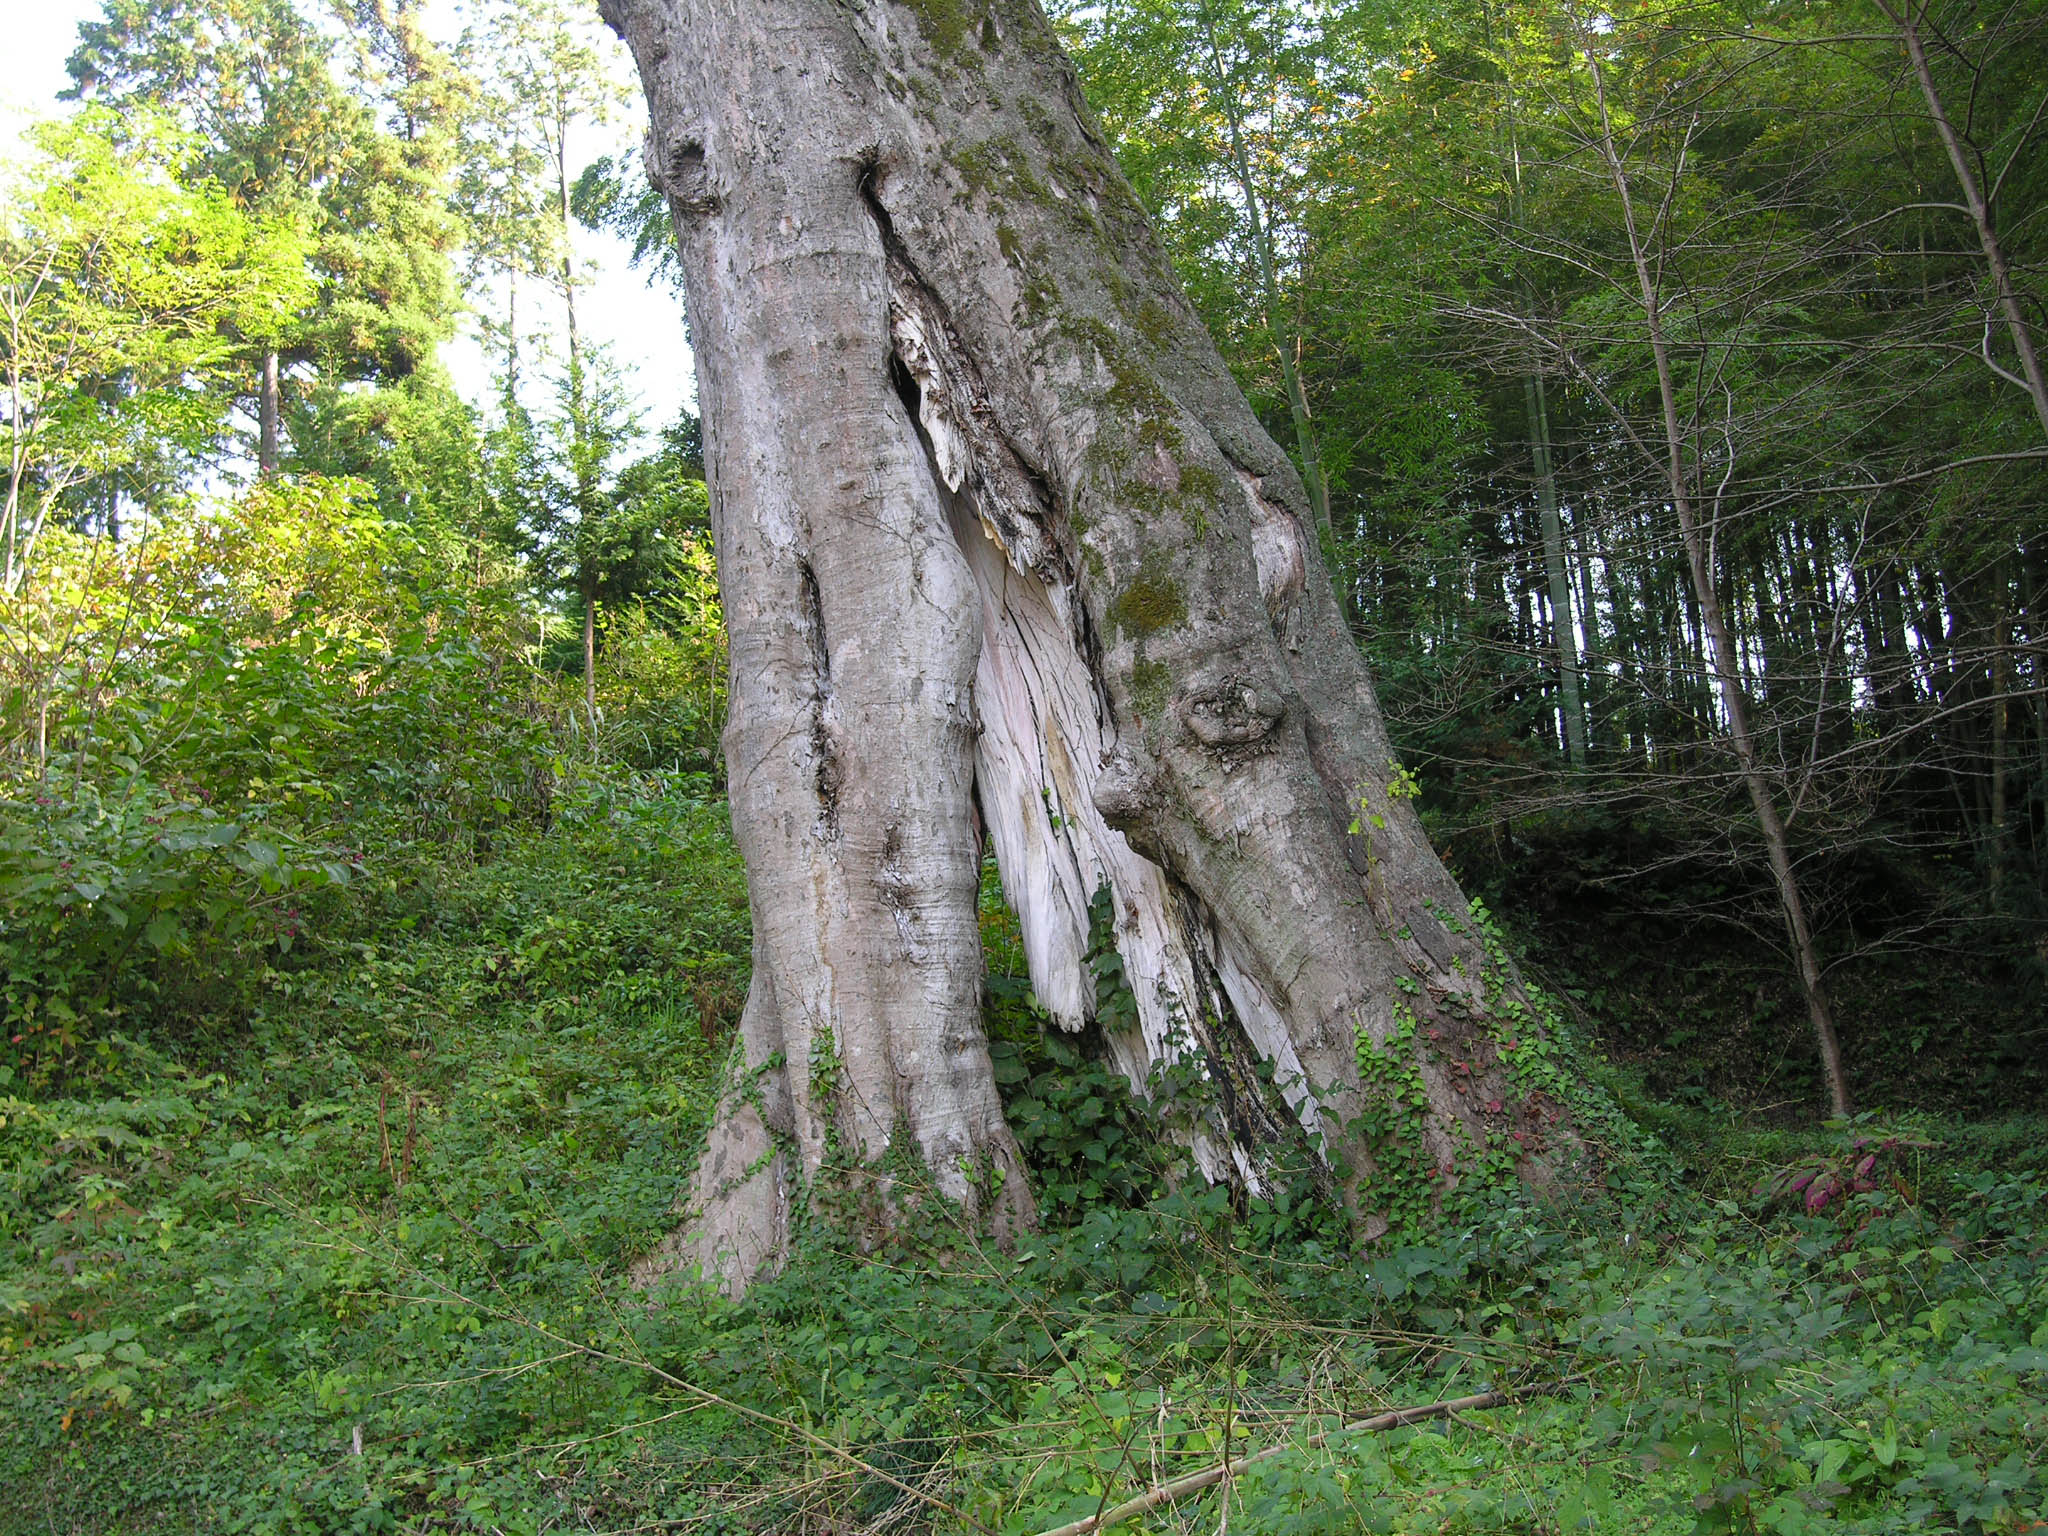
(125, 289)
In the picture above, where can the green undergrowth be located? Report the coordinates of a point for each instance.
(364, 1266)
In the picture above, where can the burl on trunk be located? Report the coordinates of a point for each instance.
(1005, 554)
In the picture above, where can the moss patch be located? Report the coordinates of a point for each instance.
(1133, 391)
(1195, 493)
(996, 166)
(1151, 603)
(1151, 687)
(944, 23)
(1198, 484)
(1155, 324)
(1199, 491)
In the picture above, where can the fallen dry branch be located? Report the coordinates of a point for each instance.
(1209, 1477)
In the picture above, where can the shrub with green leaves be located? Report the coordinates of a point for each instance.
(111, 900)
(210, 730)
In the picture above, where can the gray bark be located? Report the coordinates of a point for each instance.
(996, 528)
(269, 408)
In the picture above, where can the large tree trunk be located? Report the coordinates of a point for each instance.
(996, 529)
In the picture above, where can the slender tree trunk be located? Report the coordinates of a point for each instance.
(269, 407)
(1905, 16)
(512, 335)
(2001, 686)
(1592, 670)
(17, 457)
(1628, 638)
(1725, 663)
(1564, 636)
(996, 529)
(567, 273)
(590, 656)
(1536, 412)
(587, 495)
(1904, 684)
(2037, 671)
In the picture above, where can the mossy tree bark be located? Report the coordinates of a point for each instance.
(1005, 554)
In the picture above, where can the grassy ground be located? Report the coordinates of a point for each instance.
(357, 1262)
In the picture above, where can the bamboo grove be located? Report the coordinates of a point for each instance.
(1670, 375)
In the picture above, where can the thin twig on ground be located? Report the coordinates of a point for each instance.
(1208, 1477)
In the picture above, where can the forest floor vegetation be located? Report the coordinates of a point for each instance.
(361, 1262)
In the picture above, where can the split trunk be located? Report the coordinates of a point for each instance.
(1007, 561)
